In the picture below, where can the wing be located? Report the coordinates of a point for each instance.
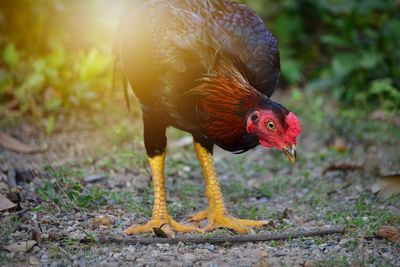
(243, 33)
(227, 27)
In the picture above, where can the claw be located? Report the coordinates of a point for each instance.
(168, 223)
(217, 220)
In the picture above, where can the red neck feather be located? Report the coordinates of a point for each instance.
(223, 103)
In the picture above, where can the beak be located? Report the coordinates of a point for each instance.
(290, 153)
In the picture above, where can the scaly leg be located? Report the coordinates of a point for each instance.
(160, 213)
(216, 213)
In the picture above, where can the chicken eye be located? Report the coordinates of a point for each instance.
(270, 126)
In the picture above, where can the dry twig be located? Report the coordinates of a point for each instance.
(222, 240)
(342, 167)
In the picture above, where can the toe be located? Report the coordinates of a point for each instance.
(229, 222)
(197, 217)
(253, 223)
(235, 227)
(139, 229)
(178, 227)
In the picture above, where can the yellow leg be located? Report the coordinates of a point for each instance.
(216, 213)
(160, 215)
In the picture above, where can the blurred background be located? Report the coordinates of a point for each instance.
(56, 55)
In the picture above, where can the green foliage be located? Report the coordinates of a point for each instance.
(56, 55)
(348, 47)
(56, 81)
(10, 55)
(53, 64)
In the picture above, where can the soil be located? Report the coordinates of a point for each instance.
(93, 181)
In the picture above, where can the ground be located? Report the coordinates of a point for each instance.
(95, 165)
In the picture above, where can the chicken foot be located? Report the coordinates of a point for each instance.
(216, 213)
(161, 217)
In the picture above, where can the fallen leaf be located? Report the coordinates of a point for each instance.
(387, 186)
(390, 233)
(14, 194)
(101, 221)
(165, 231)
(6, 204)
(36, 233)
(23, 246)
(339, 145)
(262, 262)
(308, 263)
(284, 215)
(10, 143)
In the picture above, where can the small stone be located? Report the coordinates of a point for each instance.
(323, 245)
(54, 234)
(309, 242)
(187, 257)
(23, 246)
(94, 178)
(209, 247)
(344, 241)
(33, 261)
(77, 235)
(35, 249)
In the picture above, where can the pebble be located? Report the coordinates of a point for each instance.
(344, 241)
(33, 261)
(187, 257)
(309, 242)
(77, 235)
(209, 247)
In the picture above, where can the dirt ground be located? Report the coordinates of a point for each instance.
(94, 165)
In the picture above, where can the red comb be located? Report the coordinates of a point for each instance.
(294, 128)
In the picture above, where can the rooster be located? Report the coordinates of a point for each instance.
(207, 67)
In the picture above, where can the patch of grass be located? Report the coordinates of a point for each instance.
(337, 261)
(218, 232)
(253, 212)
(128, 159)
(68, 193)
(236, 189)
(8, 226)
(363, 215)
(264, 190)
(64, 190)
(4, 259)
(141, 207)
(188, 190)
